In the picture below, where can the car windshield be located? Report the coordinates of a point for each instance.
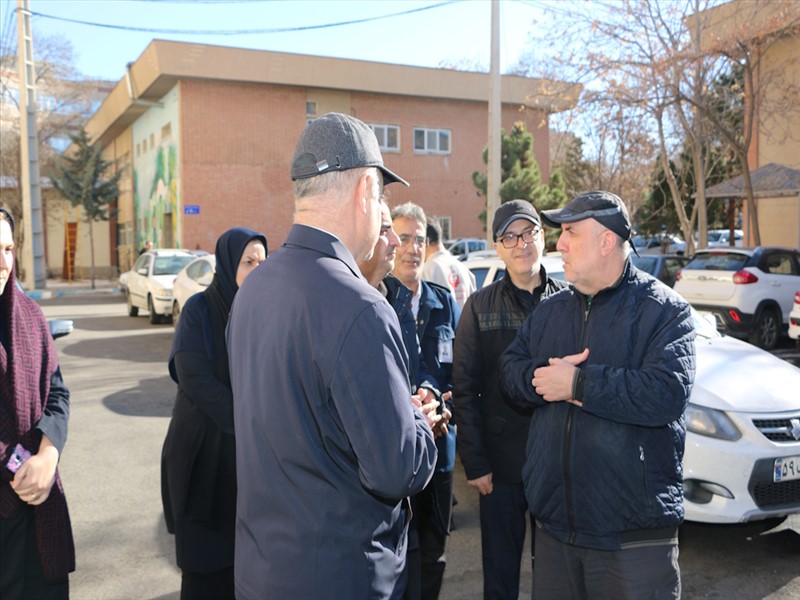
(170, 265)
(714, 236)
(717, 261)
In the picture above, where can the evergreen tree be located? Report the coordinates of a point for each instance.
(81, 177)
(520, 176)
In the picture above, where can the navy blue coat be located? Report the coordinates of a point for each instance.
(599, 474)
(327, 440)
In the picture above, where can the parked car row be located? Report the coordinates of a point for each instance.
(148, 285)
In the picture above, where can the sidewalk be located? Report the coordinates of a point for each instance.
(55, 288)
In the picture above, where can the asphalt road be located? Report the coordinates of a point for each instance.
(115, 367)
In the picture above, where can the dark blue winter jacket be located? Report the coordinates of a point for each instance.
(609, 472)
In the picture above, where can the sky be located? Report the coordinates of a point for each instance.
(447, 31)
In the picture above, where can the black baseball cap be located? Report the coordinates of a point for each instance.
(337, 142)
(510, 211)
(603, 207)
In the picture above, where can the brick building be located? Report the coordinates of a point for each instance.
(206, 134)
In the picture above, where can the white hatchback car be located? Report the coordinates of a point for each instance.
(148, 285)
(194, 277)
(749, 291)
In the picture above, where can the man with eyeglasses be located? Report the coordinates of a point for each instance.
(492, 433)
(436, 314)
(607, 367)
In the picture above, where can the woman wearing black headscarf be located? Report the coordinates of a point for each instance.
(198, 462)
(38, 551)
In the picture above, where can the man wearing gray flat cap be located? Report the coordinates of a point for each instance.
(329, 440)
(607, 367)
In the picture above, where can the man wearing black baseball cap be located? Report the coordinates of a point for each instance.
(328, 441)
(607, 367)
(493, 434)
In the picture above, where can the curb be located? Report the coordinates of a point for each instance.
(48, 294)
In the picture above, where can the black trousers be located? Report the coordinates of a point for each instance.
(207, 586)
(21, 574)
(426, 563)
(503, 514)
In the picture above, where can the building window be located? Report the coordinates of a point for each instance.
(446, 224)
(166, 131)
(435, 141)
(388, 137)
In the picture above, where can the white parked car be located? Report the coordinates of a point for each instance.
(489, 269)
(742, 460)
(794, 320)
(749, 291)
(721, 238)
(194, 277)
(462, 246)
(148, 285)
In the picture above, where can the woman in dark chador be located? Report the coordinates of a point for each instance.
(37, 551)
(198, 462)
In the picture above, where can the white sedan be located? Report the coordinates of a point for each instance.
(194, 277)
(742, 460)
(148, 285)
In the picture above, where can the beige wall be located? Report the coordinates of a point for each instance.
(57, 213)
(779, 115)
(779, 221)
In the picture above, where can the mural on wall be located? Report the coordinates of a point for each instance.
(156, 177)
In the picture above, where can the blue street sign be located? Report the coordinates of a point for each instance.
(191, 209)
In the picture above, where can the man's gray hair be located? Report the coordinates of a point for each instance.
(412, 211)
(333, 182)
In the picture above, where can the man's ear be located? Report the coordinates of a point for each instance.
(608, 242)
(362, 192)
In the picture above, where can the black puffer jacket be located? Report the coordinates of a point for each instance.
(600, 474)
(491, 432)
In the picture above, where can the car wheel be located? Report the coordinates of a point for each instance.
(155, 319)
(176, 313)
(133, 311)
(765, 330)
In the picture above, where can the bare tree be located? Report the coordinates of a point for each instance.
(650, 63)
(64, 103)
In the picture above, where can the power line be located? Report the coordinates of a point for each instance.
(244, 31)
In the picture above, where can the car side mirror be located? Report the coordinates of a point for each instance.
(205, 279)
(60, 327)
(142, 271)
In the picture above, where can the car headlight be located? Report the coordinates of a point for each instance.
(164, 292)
(710, 422)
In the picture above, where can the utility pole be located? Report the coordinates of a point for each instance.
(495, 108)
(32, 229)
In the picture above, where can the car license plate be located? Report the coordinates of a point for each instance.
(786, 469)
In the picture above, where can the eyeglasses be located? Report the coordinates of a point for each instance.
(418, 240)
(510, 240)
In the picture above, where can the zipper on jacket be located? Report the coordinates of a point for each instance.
(567, 479)
(644, 477)
(586, 307)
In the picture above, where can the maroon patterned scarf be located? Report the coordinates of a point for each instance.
(25, 372)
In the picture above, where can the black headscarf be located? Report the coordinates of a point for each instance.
(219, 297)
